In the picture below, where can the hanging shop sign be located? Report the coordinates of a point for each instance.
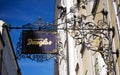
(37, 42)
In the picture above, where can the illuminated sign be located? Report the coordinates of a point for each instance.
(37, 42)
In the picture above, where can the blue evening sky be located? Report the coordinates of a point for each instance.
(20, 12)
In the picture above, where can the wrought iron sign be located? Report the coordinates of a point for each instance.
(38, 41)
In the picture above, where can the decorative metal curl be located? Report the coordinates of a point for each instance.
(93, 34)
(98, 38)
(38, 25)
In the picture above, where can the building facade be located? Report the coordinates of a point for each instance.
(88, 37)
(8, 62)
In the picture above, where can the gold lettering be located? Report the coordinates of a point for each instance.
(39, 42)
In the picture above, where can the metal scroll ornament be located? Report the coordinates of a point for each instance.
(97, 37)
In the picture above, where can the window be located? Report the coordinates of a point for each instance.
(78, 4)
(116, 5)
(0, 61)
(86, 72)
(1, 42)
(18, 72)
(1, 51)
(118, 9)
(82, 49)
(96, 66)
(77, 69)
(61, 6)
(95, 6)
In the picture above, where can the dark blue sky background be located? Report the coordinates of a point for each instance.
(20, 12)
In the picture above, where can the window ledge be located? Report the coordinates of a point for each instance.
(118, 13)
(118, 8)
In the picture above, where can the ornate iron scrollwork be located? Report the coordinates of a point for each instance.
(96, 37)
(38, 25)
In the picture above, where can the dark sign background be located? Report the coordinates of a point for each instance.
(34, 48)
